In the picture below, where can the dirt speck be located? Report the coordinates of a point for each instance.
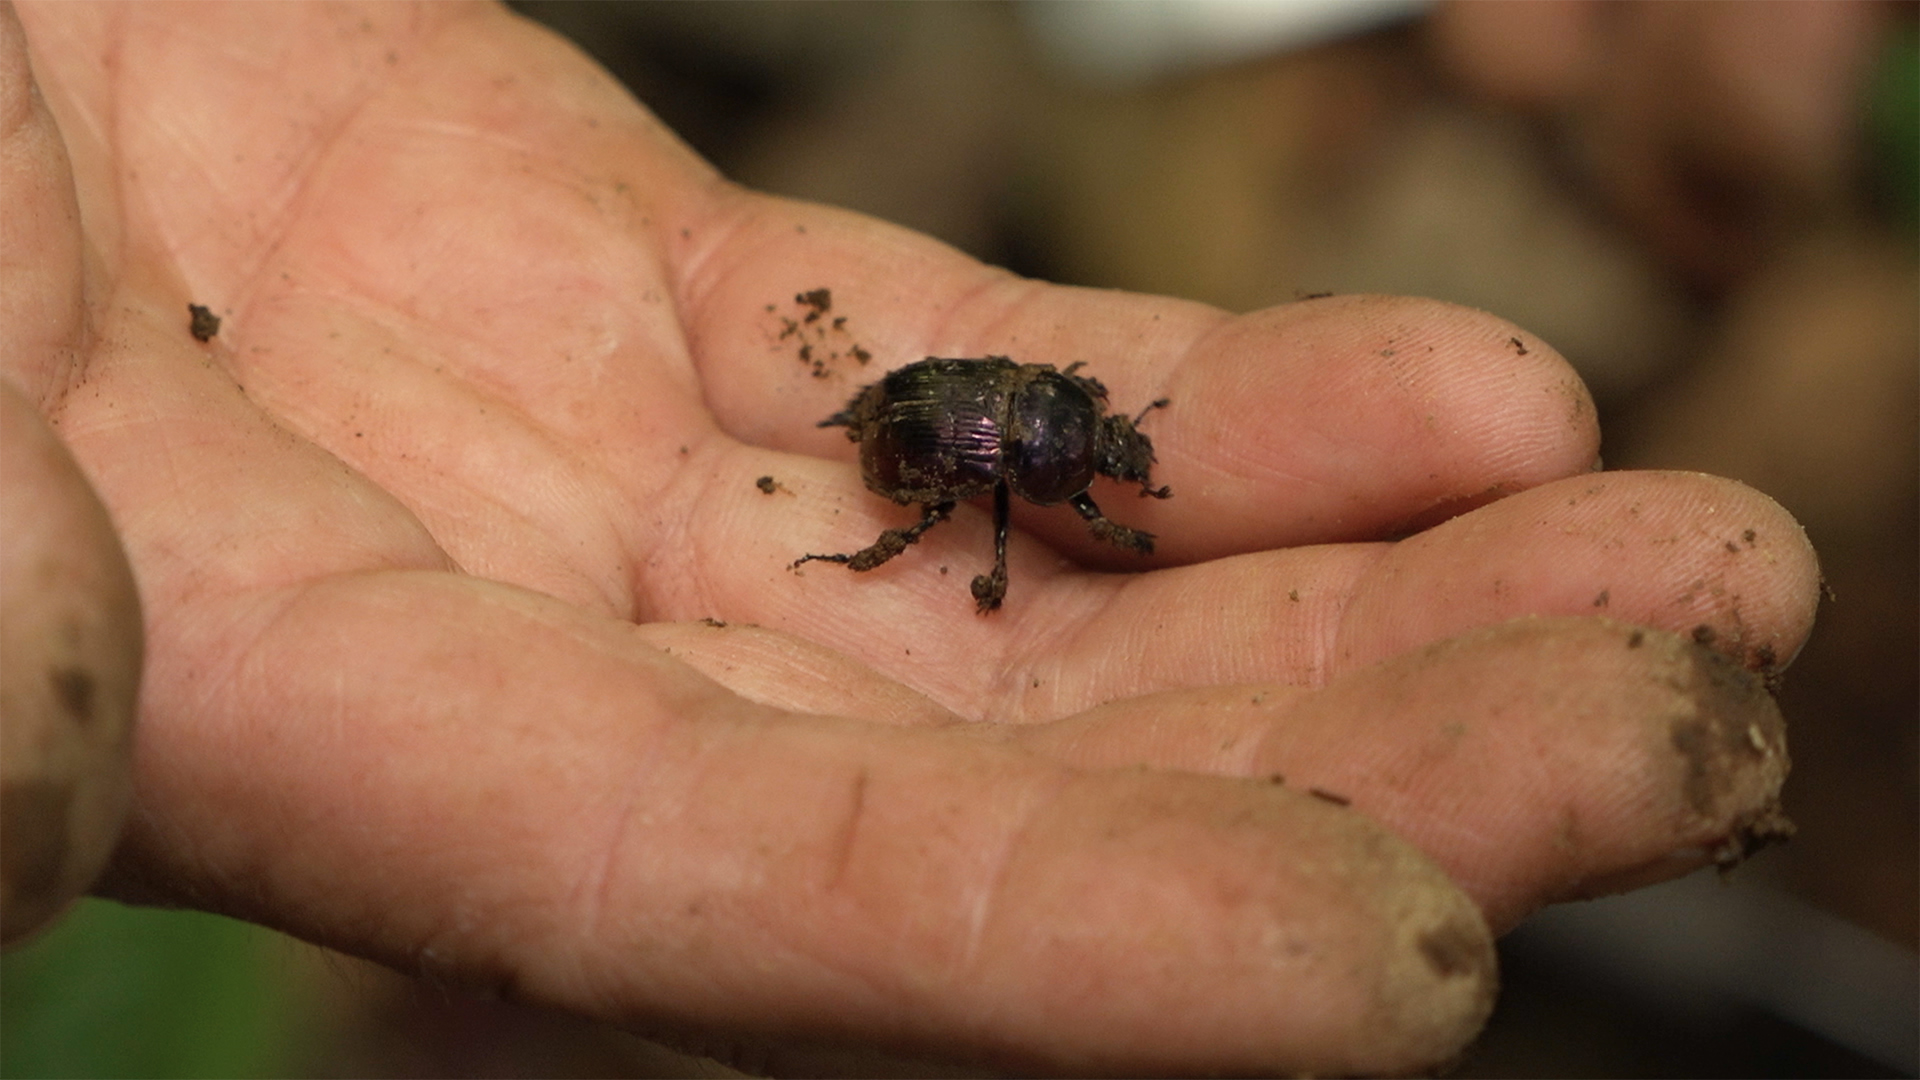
(1766, 662)
(1734, 754)
(202, 323)
(1452, 949)
(73, 688)
(1763, 830)
(819, 300)
(819, 340)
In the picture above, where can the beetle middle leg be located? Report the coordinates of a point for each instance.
(990, 589)
(1113, 533)
(891, 543)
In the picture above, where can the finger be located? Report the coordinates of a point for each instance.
(69, 674)
(1647, 548)
(1338, 419)
(568, 815)
(1706, 557)
(1537, 760)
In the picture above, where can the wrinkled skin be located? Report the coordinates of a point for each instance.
(425, 535)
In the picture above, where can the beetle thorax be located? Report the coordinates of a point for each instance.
(1052, 427)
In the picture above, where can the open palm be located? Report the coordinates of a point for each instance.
(474, 647)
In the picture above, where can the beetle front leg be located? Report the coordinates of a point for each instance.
(990, 589)
(891, 543)
(1118, 535)
(1146, 486)
(1160, 403)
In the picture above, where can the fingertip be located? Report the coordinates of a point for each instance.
(72, 636)
(1544, 759)
(1694, 554)
(1704, 788)
(1356, 416)
(1787, 585)
(1308, 939)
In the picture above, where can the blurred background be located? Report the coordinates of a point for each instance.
(1708, 208)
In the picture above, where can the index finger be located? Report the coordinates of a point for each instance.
(1336, 419)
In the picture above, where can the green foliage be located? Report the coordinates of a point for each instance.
(119, 991)
(1893, 125)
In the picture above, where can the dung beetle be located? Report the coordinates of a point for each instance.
(942, 430)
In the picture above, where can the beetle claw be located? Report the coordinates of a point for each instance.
(1122, 537)
(989, 590)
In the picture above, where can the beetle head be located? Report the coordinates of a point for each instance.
(1125, 453)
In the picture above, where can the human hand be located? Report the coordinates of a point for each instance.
(424, 535)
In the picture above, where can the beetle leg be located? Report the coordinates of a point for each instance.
(891, 543)
(1151, 405)
(990, 589)
(1145, 490)
(1115, 534)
